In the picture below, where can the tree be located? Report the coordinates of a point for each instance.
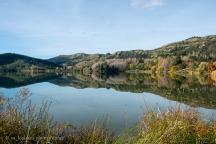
(211, 67)
(177, 61)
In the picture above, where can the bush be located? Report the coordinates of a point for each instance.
(203, 67)
(175, 126)
(20, 122)
(213, 75)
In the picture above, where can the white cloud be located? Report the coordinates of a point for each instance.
(147, 3)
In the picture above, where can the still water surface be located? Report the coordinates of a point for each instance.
(119, 99)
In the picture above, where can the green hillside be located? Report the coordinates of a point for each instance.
(10, 61)
(201, 48)
(193, 55)
(68, 59)
(190, 56)
(198, 48)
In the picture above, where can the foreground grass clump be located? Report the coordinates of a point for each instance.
(22, 122)
(175, 126)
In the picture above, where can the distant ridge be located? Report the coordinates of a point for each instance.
(13, 61)
(203, 48)
(189, 53)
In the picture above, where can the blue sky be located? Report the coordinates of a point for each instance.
(46, 28)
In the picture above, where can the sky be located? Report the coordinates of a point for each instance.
(47, 28)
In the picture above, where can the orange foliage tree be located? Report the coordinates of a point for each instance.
(211, 67)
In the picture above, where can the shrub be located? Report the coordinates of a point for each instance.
(175, 126)
(203, 67)
(213, 75)
(20, 122)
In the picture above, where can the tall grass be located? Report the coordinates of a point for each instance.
(22, 122)
(175, 126)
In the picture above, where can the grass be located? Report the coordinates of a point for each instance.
(21, 122)
(175, 126)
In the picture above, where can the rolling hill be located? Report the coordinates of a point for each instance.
(10, 61)
(199, 48)
(193, 54)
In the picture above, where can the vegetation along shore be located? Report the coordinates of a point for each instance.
(22, 122)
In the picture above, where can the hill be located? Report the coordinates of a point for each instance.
(75, 58)
(198, 48)
(193, 55)
(10, 61)
(67, 59)
(196, 54)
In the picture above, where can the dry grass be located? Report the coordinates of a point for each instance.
(175, 126)
(93, 133)
(21, 122)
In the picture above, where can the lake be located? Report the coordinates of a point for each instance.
(121, 99)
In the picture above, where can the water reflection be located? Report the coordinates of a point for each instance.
(185, 90)
(122, 98)
(193, 91)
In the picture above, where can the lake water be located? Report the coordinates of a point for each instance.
(121, 99)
